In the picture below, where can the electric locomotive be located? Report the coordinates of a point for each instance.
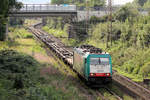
(93, 64)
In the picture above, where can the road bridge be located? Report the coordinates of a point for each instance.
(69, 12)
(47, 10)
(44, 10)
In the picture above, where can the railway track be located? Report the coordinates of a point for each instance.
(100, 95)
(67, 56)
(113, 93)
(133, 87)
(39, 33)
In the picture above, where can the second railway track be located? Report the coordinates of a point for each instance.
(67, 56)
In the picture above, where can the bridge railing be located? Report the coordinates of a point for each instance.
(46, 8)
(103, 8)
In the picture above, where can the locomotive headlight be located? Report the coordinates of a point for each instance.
(91, 74)
(108, 74)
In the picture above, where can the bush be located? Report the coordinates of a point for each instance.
(20, 33)
(96, 20)
(126, 12)
(145, 70)
(18, 69)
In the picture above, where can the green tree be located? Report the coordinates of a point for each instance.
(145, 70)
(126, 12)
(93, 3)
(98, 3)
(147, 4)
(140, 2)
(5, 7)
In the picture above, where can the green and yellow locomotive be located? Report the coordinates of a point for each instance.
(93, 64)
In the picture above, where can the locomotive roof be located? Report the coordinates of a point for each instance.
(85, 50)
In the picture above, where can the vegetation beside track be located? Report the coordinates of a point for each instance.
(18, 72)
(21, 40)
(61, 34)
(106, 94)
(47, 78)
(130, 41)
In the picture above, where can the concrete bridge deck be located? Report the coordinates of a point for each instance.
(44, 10)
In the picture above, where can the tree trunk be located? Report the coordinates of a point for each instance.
(2, 32)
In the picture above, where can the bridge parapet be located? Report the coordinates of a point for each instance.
(46, 8)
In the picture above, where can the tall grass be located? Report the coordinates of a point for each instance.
(55, 85)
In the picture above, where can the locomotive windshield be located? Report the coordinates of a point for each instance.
(99, 61)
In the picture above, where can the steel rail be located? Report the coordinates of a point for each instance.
(138, 90)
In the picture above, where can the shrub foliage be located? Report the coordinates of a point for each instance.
(18, 68)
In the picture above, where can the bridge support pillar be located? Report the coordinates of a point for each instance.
(12, 21)
(44, 21)
(71, 29)
(6, 32)
(16, 21)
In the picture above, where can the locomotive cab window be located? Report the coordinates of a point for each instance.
(99, 61)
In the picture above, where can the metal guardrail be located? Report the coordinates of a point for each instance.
(46, 8)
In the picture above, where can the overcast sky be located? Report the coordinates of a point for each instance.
(35, 1)
(116, 2)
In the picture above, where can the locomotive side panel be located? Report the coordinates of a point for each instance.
(78, 63)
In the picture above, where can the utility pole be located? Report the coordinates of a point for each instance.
(109, 35)
(87, 15)
(110, 19)
(110, 5)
